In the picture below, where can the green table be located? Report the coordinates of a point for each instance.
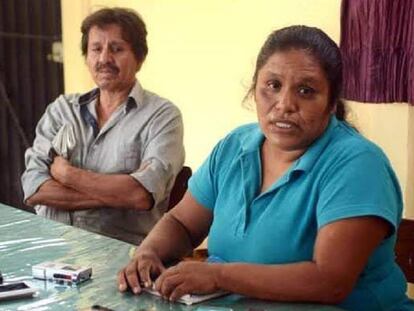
(27, 239)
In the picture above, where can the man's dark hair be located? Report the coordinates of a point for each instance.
(315, 42)
(132, 26)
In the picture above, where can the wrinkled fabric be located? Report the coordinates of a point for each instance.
(63, 145)
(377, 46)
(143, 138)
(64, 141)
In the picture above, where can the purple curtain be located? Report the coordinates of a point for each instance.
(377, 44)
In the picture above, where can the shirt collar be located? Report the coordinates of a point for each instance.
(137, 94)
(308, 159)
(135, 97)
(253, 142)
(86, 98)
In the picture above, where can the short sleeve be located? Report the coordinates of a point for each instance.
(360, 184)
(202, 185)
(163, 155)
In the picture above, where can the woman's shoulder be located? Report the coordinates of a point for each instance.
(349, 140)
(245, 129)
(242, 136)
(239, 140)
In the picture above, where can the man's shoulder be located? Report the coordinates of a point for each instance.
(71, 100)
(67, 100)
(149, 97)
(154, 104)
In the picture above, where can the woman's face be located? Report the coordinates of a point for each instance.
(292, 100)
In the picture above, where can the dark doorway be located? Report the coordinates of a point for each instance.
(31, 76)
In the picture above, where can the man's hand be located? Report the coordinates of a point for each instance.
(59, 169)
(139, 272)
(188, 277)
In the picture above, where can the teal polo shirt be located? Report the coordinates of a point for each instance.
(341, 175)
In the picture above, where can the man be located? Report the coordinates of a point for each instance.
(126, 144)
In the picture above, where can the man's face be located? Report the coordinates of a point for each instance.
(110, 59)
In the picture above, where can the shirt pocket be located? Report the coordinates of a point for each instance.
(130, 158)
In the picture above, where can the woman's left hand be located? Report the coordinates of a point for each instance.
(188, 277)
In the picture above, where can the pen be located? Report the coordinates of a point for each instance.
(100, 308)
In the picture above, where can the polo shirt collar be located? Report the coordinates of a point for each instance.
(308, 159)
(252, 143)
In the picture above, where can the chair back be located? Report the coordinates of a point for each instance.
(404, 248)
(180, 186)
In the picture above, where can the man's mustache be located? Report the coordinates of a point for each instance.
(107, 67)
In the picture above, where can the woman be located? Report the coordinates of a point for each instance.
(299, 207)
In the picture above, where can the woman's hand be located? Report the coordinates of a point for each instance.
(144, 265)
(188, 277)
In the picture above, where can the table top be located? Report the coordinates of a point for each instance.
(27, 239)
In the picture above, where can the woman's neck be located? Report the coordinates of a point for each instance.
(275, 162)
(280, 155)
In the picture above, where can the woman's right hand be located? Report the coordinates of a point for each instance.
(139, 272)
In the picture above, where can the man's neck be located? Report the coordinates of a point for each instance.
(108, 101)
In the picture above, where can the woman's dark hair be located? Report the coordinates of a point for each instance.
(315, 42)
(132, 26)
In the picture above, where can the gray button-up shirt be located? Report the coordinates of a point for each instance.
(142, 138)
